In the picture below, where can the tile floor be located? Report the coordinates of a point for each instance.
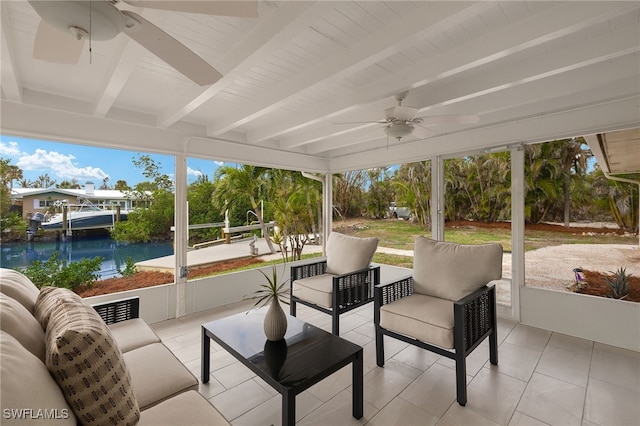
(543, 378)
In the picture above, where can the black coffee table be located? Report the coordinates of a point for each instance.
(307, 355)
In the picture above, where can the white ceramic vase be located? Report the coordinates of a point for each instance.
(275, 321)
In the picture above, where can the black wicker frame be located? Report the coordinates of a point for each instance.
(474, 320)
(118, 310)
(350, 290)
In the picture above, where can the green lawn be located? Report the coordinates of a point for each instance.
(400, 234)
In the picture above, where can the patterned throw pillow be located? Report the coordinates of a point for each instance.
(88, 366)
(47, 299)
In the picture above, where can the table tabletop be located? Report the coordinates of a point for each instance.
(305, 356)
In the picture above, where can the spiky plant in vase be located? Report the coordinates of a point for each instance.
(275, 320)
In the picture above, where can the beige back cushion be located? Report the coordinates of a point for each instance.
(349, 254)
(27, 385)
(85, 361)
(17, 286)
(47, 299)
(452, 271)
(18, 322)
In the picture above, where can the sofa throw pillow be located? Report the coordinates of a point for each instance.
(20, 323)
(452, 271)
(17, 286)
(48, 298)
(349, 254)
(85, 361)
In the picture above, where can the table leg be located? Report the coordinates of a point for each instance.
(205, 358)
(358, 386)
(288, 409)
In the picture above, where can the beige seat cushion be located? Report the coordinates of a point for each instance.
(426, 318)
(452, 271)
(18, 322)
(349, 254)
(47, 300)
(133, 334)
(156, 374)
(27, 385)
(85, 361)
(17, 286)
(188, 408)
(317, 289)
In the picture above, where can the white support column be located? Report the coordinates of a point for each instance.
(517, 228)
(180, 235)
(327, 210)
(437, 198)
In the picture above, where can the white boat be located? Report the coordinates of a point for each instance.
(84, 216)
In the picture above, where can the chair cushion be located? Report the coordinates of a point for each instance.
(17, 286)
(27, 385)
(156, 374)
(188, 408)
(133, 334)
(47, 300)
(426, 318)
(317, 289)
(349, 254)
(18, 322)
(86, 363)
(452, 271)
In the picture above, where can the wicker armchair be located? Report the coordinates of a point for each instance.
(446, 307)
(339, 284)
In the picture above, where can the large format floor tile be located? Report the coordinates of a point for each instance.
(542, 378)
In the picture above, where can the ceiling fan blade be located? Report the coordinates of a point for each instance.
(243, 9)
(421, 132)
(400, 112)
(170, 50)
(53, 45)
(451, 119)
(362, 122)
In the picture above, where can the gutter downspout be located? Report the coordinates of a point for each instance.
(327, 207)
(620, 179)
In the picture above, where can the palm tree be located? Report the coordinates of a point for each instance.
(244, 181)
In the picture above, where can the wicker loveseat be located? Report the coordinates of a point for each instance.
(60, 363)
(446, 306)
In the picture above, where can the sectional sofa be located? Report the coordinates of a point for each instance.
(62, 364)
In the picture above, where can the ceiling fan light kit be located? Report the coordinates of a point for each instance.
(399, 130)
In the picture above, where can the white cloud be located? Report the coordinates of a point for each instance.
(219, 163)
(60, 164)
(11, 149)
(193, 172)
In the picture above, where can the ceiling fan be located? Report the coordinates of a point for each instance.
(65, 25)
(401, 121)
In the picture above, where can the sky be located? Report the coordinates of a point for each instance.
(88, 164)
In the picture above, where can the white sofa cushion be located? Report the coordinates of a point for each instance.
(188, 408)
(18, 322)
(156, 374)
(133, 334)
(317, 289)
(85, 361)
(27, 386)
(349, 254)
(426, 318)
(452, 271)
(17, 286)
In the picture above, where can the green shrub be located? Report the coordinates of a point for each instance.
(129, 268)
(619, 283)
(57, 273)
